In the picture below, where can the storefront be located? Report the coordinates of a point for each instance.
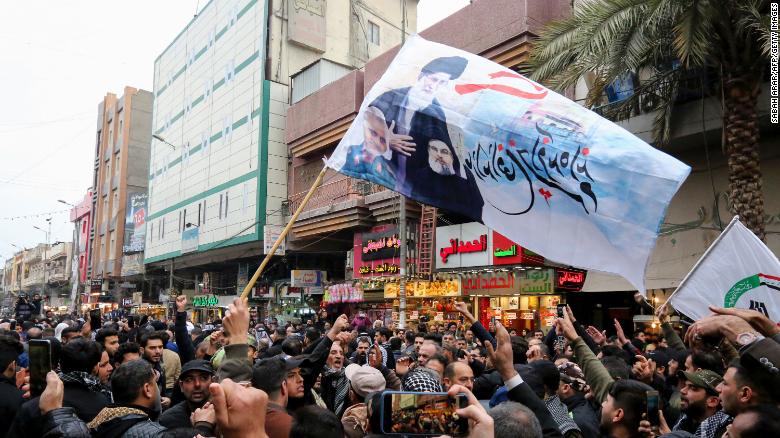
(373, 262)
(426, 301)
(502, 279)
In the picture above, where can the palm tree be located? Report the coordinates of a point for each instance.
(667, 41)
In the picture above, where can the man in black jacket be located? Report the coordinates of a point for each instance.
(572, 391)
(83, 391)
(194, 380)
(137, 405)
(10, 395)
(518, 390)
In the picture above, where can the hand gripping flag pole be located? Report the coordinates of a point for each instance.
(283, 234)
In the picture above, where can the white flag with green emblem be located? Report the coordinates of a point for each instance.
(737, 270)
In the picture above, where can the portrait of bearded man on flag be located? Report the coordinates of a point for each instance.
(410, 111)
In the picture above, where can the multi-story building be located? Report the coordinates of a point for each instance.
(218, 173)
(80, 215)
(345, 215)
(121, 167)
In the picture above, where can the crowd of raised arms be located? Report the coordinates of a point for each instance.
(326, 377)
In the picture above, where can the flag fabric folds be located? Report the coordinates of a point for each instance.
(737, 270)
(457, 131)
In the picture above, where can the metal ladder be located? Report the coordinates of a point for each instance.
(425, 246)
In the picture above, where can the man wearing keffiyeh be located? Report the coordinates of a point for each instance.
(700, 405)
(84, 393)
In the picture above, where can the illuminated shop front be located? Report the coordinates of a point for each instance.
(502, 279)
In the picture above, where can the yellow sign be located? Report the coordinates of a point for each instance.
(438, 288)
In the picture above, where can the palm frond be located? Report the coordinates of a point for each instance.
(694, 33)
(753, 23)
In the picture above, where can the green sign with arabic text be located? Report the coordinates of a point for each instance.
(205, 301)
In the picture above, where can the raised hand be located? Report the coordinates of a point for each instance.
(206, 413)
(240, 411)
(52, 396)
(568, 327)
(620, 334)
(756, 319)
(463, 308)
(236, 322)
(643, 369)
(501, 356)
(181, 303)
(402, 144)
(599, 337)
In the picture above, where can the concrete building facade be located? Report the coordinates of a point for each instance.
(121, 167)
(218, 167)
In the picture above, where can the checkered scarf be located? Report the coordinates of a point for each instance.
(560, 414)
(88, 381)
(341, 385)
(710, 425)
(422, 380)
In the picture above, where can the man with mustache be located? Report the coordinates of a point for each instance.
(699, 403)
(410, 110)
(444, 181)
(194, 380)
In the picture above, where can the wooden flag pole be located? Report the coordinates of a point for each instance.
(281, 237)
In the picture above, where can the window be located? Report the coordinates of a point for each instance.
(151, 232)
(373, 33)
(204, 211)
(180, 226)
(226, 203)
(199, 213)
(220, 206)
(185, 220)
(163, 228)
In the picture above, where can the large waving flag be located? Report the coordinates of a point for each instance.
(737, 270)
(457, 131)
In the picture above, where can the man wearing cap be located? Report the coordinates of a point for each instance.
(700, 406)
(571, 390)
(281, 379)
(363, 381)
(194, 380)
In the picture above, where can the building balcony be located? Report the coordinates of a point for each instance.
(334, 206)
(115, 182)
(104, 190)
(102, 228)
(118, 144)
(107, 153)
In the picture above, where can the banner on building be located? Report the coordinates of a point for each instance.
(135, 223)
(437, 288)
(270, 234)
(132, 264)
(737, 270)
(454, 130)
(307, 278)
(380, 245)
(190, 239)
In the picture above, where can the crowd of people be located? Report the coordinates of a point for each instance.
(325, 378)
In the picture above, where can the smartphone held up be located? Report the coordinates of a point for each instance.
(423, 414)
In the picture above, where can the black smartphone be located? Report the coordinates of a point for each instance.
(653, 406)
(130, 321)
(95, 320)
(423, 413)
(40, 364)
(12, 325)
(561, 308)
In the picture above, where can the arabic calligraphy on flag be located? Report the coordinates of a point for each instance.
(737, 270)
(457, 131)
